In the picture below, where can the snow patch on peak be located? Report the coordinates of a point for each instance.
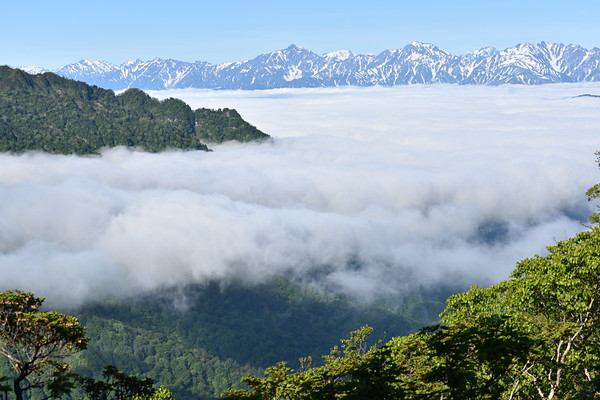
(485, 51)
(131, 62)
(421, 45)
(424, 48)
(87, 67)
(103, 65)
(339, 55)
(293, 74)
(32, 69)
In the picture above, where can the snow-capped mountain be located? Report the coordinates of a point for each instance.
(298, 67)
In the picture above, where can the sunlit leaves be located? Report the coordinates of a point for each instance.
(593, 193)
(554, 302)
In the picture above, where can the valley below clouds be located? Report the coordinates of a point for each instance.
(365, 191)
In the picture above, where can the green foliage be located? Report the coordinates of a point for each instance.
(190, 372)
(351, 372)
(37, 343)
(50, 113)
(37, 346)
(463, 360)
(216, 126)
(535, 335)
(117, 385)
(201, 340)
(555, 302)
(593, 193)
(162, 393)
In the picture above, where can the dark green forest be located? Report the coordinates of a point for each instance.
(57, 115)
(201, 339)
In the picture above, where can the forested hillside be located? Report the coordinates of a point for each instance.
(50, 113)
(200, 340)
(189, 371)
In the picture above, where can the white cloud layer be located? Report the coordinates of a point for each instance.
(370, 189)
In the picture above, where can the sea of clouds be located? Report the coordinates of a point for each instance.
(368, 191)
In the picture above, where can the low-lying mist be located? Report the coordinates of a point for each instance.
(367, 191)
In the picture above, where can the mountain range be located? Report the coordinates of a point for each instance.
(416, 63)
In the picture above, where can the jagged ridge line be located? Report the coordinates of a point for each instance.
(416, 63)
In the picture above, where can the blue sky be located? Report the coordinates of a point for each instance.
(53, 34)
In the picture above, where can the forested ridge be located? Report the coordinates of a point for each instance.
(191, 372)
(54, 114)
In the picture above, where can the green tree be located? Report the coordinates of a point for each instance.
(467, 359)
(117, 385)
(351, 372)
(37, 343)
(554, 302)
(593, 193)
(162, 393)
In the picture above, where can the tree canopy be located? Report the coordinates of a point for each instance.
(593, 193)
(553, 303)
(36, 343)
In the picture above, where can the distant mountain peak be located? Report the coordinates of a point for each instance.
(424, 49)
(339, 55)
(420, 44)
(31, 69)
(296, 66)
(485, 51)
(295, 47)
